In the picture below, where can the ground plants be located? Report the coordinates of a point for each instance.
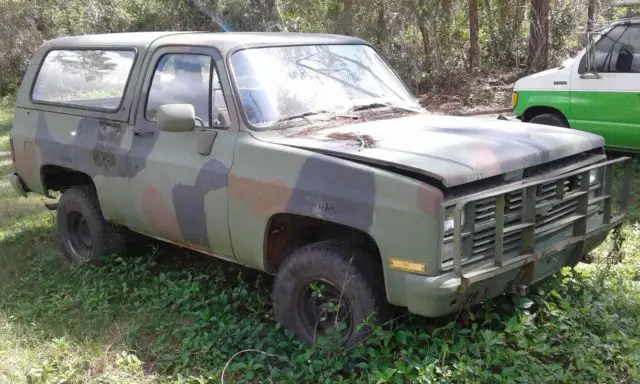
(164, 315)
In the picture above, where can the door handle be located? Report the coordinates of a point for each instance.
(142, 133)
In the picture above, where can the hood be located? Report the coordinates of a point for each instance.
(454, 150)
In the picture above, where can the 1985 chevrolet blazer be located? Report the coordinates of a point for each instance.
(305, 156)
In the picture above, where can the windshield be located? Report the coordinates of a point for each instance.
(283, 83)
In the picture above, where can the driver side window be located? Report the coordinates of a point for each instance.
(187, 78)
(618, 51)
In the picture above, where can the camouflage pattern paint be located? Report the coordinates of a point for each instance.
(454, 150)
(336, 190)
(158, 184)
(330, 190)
(188, 201)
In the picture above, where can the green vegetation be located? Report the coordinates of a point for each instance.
(171, 316)
(434, 45)
(6, 115)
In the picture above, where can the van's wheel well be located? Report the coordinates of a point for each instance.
(288, 232)
(545, 115)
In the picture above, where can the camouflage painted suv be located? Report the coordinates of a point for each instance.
(305, 156)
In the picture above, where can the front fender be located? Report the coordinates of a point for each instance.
(402, 215)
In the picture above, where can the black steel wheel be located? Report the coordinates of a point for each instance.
(328, 288)
(84, 233)
(79, 237)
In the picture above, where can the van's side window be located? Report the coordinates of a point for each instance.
(84, 78)
(185, 79)
(619, 50)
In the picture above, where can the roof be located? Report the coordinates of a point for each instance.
(222, 40)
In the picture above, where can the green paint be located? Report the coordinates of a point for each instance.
(612, 115)
(560, 100)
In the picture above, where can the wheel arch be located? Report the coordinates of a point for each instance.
(536, 110)
(59, 178)
(286, 232)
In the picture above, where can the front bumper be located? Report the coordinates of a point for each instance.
(18, 185)
(574, 237)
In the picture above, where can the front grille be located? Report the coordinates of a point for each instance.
(550, 209)
(543, 214)
(546, 196)
(485, 212)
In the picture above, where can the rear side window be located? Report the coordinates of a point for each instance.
(84, 78)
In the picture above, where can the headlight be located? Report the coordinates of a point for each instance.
(514, 99)
(593, 176)
(449, 222)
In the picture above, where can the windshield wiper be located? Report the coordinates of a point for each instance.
(300, 115)
(378, 104)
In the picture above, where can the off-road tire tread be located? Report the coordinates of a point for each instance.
(332, 256)
(111, 239)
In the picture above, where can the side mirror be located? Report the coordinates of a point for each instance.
(176, 117)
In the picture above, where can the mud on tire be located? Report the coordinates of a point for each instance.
(84, 233)
(349, 283)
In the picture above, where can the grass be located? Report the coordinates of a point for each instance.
(6, 114)
(172, 317)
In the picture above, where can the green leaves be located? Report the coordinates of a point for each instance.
(184, 323)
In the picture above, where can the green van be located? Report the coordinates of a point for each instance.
(597, 91)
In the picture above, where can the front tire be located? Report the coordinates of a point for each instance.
(352, 290)
(85, 235)
(550, 118)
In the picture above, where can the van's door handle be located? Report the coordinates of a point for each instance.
(142, 133)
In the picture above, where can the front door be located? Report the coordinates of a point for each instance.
(178, 180)
(609, 105)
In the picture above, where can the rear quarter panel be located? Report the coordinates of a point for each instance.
(95, 147)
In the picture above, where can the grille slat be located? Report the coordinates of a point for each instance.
(483, 241)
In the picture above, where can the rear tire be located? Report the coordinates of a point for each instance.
(549, 118)
(84, 233)
(349, 278)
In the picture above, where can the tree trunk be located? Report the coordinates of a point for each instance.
(474, 47)
(492, 33)
(538, 55)
(346, 19)
(591, 10)
(381, 27)
(515, 31)
(424, 31)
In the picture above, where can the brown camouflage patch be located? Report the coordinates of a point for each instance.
(22, 163)
(484, 157)
(28, 159)
(163, 221)
(429, 200)
(263, 197)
